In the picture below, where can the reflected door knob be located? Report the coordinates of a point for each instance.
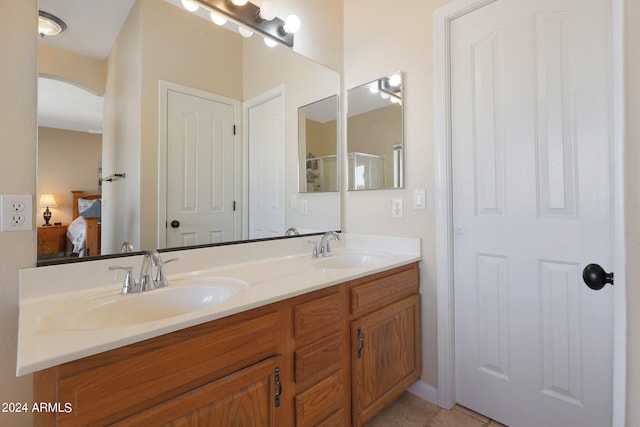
(595, 277)
(175, 223)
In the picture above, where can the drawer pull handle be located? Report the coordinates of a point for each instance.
(360, 343)
(279, 384)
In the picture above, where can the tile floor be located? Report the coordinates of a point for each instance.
(411, 411)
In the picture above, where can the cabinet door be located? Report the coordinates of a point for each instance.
(246, 398)
(385, 356)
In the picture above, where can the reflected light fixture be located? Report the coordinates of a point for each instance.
(239, 2)
(190, 6)
(244, 32)
(270, 42)
(49, 25)
(218, 19)
(47, 201)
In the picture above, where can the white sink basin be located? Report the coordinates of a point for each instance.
(352, 260)
(115, 310)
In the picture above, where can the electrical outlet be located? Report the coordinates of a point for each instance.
(15, 213)
(396, 208)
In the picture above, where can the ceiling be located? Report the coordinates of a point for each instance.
(92, 27)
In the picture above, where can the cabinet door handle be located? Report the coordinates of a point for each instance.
(279, 384)
(360, 343)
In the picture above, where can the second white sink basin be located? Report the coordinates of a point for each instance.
(350, 259)
(115, 310)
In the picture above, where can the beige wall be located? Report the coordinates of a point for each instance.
(376, 45)
(67, 160)
(18, 73)
(632, 182)
(89, 73)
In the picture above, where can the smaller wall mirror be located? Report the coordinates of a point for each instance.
(375, 134)
(318, 146)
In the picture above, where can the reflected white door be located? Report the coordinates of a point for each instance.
(200, 170)
(531, 190)
(266, 157)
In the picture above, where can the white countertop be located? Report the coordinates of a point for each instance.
(274, 271)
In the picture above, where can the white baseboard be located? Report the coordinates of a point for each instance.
(425, 391)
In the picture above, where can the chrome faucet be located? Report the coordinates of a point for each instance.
(322, 248)
(292, 231)
(148, 281)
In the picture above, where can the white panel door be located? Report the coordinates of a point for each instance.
(200, 175)
(531, 202)
(267, 157)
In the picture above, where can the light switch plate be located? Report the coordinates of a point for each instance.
(16, 213)
(419, 199)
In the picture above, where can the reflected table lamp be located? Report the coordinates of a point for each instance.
(47, 201)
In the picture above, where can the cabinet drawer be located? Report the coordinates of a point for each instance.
(319, 403)
(323, 314)
(319, 360)
(384, 289)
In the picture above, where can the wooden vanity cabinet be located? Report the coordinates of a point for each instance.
(206, 370)
(385, 340)
(333, 357)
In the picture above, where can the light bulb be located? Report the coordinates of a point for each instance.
(239, 2)
(395, 80)
(270, 42)
(373, 87)
(244, 32)
(218, 19)
(291, 24)
(267, 11)
(190, 6)
(394, 100)
(384, 95)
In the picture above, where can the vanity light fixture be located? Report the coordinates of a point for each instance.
(262, 20)
(270, 42)
(267, 11)
(292, 24)
(49, 25)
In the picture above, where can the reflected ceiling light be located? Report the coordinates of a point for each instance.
(291, 24)
(270, 42)
(218, 19)
(244, 32)
(239, 2)
(190, 6)
(267, 11)
(49, 25)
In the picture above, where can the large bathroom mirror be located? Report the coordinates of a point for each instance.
(166, 79)
(375, 134)
(318, 146)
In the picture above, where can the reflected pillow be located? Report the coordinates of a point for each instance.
(90, 208)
